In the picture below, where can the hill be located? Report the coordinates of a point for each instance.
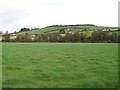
(56, 28)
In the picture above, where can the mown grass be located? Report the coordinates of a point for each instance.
(60, 65)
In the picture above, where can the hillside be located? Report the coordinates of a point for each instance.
(55, 29)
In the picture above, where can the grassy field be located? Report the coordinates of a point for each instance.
(60, 65)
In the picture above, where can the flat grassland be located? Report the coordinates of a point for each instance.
(60, 65)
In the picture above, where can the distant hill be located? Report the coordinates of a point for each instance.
(56, 28)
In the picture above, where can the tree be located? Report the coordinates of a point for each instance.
(67, 37)
(24, 29)
(15, 32)
(62, 31)
(114, 37)
(54, 37)
(83, 37)
(99, 36)
(24, 37)
(75, 37)
(6, 37)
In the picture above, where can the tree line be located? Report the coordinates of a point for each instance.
(72, 25)
(95, 37)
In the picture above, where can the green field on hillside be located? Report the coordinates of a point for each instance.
(56, 29)
(60, 65)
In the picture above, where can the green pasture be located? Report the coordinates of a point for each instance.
(60, 65)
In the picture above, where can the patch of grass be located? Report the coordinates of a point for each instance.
(64, 65)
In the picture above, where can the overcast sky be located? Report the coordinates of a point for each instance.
(16, 14)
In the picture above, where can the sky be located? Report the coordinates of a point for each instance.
(16, 14)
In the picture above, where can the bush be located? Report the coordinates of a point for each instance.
(99, 36)
(23, 38)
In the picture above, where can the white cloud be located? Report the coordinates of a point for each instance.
(16, 14)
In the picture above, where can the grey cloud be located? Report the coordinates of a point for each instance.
(11, 15)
